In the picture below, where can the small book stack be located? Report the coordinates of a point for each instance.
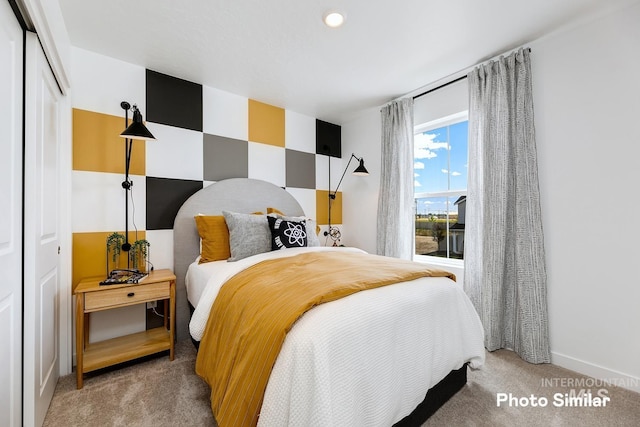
(118, 277)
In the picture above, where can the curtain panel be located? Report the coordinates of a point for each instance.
(505, 273)
(395, 201)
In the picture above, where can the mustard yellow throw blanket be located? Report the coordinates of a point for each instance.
(256, 308)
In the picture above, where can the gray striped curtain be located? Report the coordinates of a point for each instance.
(505, 273)
(395, 201)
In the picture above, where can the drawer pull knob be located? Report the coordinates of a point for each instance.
(130, 294)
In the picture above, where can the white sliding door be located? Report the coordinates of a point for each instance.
(11, 50)
(42, 234)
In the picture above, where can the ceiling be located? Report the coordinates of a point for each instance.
(279, 51)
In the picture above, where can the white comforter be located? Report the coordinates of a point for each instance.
(364, 360)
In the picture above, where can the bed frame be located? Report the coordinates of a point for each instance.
(250, 195)
(235, 195)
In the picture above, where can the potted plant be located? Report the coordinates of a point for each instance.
(139, 255)
(114, 247)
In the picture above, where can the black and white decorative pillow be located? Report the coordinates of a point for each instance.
(287, 234)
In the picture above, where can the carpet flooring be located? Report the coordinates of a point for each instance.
(155, 392)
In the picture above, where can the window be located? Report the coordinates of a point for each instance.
(440, 171)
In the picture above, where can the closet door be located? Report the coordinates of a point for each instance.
(41, 233)
(11, 50)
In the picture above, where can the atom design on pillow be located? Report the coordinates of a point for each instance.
(296, 233)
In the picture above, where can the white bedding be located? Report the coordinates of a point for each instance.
(345, 363)
(204, 280)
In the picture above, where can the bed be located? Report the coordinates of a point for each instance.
(364, 359)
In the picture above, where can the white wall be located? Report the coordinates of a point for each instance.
(362, 138)
(586, 99)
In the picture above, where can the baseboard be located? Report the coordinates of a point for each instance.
(598, 372)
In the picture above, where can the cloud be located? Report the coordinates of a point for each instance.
(418, 165)
(416, 184)
(454, 173)
(424, 146)
(423, 153)
(415, 175)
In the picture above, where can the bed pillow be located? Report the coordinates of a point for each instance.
(249, 234)
(287, 234)
(274, 211)
(312, 228)
(214, 236)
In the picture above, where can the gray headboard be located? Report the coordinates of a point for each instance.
(236, 195)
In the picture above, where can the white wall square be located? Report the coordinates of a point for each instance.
(306, 198)
(161, 248)
(300, 132)
(225, 114)
(176, 153)
(98, 202)
(322, 172)
(268, 163)
(101, 83)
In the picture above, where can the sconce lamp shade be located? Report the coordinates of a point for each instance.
(361, 170)
(137, 129)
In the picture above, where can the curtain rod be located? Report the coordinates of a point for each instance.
(441, 86)
(449, 82)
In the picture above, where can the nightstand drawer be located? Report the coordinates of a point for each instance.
(129, 295)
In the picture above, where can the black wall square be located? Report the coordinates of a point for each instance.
(328, 139)
(164, 198)
(173, 101)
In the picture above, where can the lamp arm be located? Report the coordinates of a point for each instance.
(126, 246)
(127, 160)
(353, 156)
(127, 145)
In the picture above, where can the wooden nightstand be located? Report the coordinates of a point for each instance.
(91, 296)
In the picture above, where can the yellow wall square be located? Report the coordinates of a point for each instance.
(90, 254)
(266, 123)
(98, 147)
(322, 208)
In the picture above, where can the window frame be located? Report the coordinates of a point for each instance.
(418, 129)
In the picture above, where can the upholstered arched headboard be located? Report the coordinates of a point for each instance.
(242, 195)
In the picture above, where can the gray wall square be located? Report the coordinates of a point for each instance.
(301, 169)
(224, 158)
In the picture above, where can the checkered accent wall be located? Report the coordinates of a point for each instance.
(202, 135)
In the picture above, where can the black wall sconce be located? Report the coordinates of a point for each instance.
(135, 130)
(334, 232)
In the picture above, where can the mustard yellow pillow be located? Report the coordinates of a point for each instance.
(275, 211)
(215, 238)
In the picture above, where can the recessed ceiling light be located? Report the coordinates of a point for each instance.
(333, 19)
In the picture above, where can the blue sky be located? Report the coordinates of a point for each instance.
(440, 164)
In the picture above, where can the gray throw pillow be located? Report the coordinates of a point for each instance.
(248, 234)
